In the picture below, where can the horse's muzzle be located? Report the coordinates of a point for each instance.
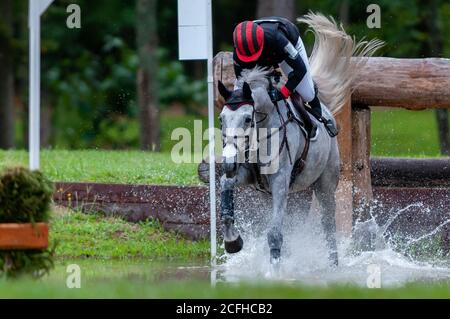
(229, 160)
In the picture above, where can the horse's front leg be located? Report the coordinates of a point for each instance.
(232, 239)
(279, 184)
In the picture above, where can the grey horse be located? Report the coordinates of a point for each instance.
(249, 110)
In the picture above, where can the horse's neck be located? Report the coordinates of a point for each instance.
(273, 117)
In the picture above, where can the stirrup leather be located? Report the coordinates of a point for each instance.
(329, 126)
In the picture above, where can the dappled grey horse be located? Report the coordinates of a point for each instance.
(250, 121)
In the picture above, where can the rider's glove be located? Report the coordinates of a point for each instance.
(275, 95)
(285, 92)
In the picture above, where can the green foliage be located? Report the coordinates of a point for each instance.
(18, 263)
(176, 86)
(25, 196)
(89, 74)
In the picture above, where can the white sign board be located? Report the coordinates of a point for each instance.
(193, 29)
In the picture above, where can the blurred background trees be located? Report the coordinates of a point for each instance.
(6, 74)
(147, 83)
(116, 83)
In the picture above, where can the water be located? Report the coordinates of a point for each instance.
(305, 261)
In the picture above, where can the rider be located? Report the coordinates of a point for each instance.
(276, 42)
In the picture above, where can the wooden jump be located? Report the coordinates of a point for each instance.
(414, 84)
(23, 236)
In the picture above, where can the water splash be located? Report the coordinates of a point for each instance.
(305, 255)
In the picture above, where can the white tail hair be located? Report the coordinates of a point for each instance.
(332, 68)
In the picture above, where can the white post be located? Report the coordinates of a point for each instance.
(195, 40)
(35, 85)
(212, 170)
(36, 8)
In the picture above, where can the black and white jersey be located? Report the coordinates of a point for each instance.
(280, 39)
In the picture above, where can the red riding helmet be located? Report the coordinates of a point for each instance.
(248, 38)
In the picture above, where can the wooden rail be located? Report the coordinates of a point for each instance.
(414, 84)
(408, 83)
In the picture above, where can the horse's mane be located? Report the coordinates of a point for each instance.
(256, 77)
(332, 68)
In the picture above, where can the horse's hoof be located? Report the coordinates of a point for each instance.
(234, 246)
(275, 265)
(275, 255)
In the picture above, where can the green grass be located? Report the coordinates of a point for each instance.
(403, 133)
(125, 167)
(395, 132)
(96, 236)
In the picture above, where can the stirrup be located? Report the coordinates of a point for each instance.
(329, 126)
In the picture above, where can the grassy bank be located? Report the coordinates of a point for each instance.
(125, 167)
(394, 133)
(79, 235)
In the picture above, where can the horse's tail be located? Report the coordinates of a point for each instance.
(332, 68)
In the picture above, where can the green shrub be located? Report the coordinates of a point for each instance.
(25, 196)
(16, 263)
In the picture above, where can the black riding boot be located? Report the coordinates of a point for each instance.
(316, 110)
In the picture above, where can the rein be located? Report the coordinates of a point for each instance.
(300, 163)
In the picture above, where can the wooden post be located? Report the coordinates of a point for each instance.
(362, 183)
(344, 196)
(224, 72)
(23, 236)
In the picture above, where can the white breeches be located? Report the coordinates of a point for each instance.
(306, 87)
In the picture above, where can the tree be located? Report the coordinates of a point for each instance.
(147, 44)
(282, 8)
(433, 45)
(6, 75)
(344, 12)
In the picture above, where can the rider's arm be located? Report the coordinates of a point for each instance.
(293, 59)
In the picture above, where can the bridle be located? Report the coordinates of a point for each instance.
(284, 122)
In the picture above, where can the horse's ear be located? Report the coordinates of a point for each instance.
(247, 91)
(223, 91)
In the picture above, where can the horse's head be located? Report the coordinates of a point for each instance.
(244, 108)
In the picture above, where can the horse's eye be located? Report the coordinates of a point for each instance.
(248, 120)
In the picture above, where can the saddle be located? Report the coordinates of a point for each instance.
(305, 114)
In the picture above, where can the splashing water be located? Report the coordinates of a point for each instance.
(305, 255)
